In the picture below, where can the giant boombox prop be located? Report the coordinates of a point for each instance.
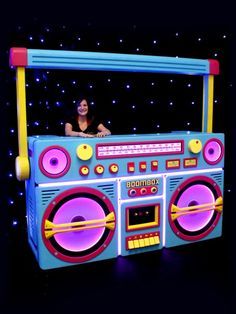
(97, 198)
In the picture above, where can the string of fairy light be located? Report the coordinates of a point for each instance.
(49, 92)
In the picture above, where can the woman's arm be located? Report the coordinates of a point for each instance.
(69, 131)
(103, 131)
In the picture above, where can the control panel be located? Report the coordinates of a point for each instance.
(73, 158)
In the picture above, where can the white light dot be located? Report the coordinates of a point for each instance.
(189, 85)
(215, 54)
(30, 38)
(121, 40)
(199, 39)
(152, 83)
(98, 43)
(171, 103)
(188, 123)
(37, 79)
(224, 36)
(177, 34)
(134, 129)
(14, 222)
(42, 40)
(63, 91)
(137, 49)
(113, 101)
(127, 86)
(12, 131)
(154, 41)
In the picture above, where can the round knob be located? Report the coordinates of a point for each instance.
(84, 151)
(132, 192)
(113, 168)
(153, 189)
(195, 146)
(143, 191)
(84, 170)
(99, 169)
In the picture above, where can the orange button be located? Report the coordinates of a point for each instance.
(99, 169)
(113, 168)
(84, 170)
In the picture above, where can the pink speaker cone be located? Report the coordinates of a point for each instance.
(79, 209)
(197, 194)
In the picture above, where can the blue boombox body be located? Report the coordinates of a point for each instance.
(97, 198)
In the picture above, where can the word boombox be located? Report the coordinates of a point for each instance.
(90, 199)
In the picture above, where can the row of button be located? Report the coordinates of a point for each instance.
(142, 166)
(142, 241)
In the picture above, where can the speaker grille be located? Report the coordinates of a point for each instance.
(47, 195)
(108, 189)
(174, 182)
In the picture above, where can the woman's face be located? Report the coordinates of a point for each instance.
(82, 108)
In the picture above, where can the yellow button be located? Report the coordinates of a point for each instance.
(195, 146)
(136, 244)
(146, 242)
(151, 239)
(130, 244)
(84, 151)
(157, 240)
(141, 242)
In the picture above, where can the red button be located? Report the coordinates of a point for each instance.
(130, 167)
(142, 166)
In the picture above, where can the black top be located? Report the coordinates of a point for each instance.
(91, 129)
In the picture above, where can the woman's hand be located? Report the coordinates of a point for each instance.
(102, 134)
(82, 134)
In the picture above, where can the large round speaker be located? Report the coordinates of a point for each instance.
(194, 208)
(54, 161)
(78, 224)
(213, 151)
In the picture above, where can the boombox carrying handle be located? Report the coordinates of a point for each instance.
(22, 58)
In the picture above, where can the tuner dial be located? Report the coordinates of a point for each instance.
(195, 146)
(84, 151)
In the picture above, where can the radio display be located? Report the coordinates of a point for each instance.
(154, 148)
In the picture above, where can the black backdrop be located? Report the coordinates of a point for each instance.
(197, 278)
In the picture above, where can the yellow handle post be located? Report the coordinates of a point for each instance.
(22, 161)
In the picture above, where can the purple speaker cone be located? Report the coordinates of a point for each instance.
(54, 161)
(212, 151)
(79, 209)
(195, 195)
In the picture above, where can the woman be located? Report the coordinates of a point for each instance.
(84, 124)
